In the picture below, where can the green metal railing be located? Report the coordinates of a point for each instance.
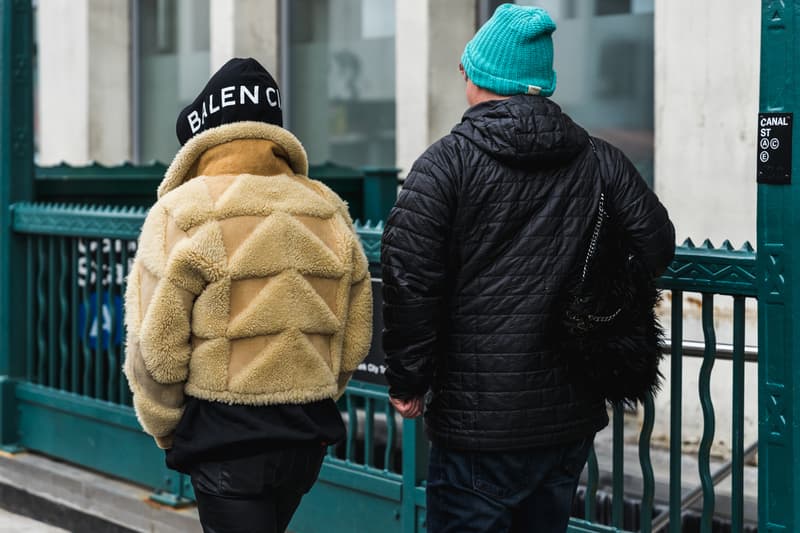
(72, 397)
(76, 261)
(370, 192)
(708, 271)
(364, 480)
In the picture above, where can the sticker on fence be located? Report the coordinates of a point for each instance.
(373, 368)
(775, 148)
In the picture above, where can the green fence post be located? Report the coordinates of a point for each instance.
(415, 469)
(779, 283)
(16, 184)
(176, 490)
(380, 192)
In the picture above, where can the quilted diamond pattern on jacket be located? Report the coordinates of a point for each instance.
(248, 288)
(491, 221)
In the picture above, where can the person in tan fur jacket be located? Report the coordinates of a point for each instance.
(247, 310)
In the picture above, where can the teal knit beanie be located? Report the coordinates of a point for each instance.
(513, 52)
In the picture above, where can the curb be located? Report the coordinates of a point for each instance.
(81, 500)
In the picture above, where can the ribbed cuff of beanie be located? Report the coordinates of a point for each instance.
(502, 86)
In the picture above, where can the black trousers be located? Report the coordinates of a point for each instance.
(255, 494)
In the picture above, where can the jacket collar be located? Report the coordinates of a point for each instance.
(190, 158)
(523, 130)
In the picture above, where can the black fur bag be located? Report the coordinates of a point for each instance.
(610, 331)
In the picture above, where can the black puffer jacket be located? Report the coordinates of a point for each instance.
(476, 253)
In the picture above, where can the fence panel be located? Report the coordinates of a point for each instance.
(75, 402)
(72, 396)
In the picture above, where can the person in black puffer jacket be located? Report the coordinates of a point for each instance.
(481, 244)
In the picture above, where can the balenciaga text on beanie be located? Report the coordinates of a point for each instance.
(240, 90)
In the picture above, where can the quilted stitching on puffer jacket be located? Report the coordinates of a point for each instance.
(491, 221)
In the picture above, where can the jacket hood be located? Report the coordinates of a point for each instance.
(522, 130)
(182, 166)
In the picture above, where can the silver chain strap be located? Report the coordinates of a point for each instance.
(598, 226)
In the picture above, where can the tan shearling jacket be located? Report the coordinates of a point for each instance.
(249, 285)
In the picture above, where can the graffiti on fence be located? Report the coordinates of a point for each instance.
(103, 261)
(373, 368)
(111, 266)
(105, 326)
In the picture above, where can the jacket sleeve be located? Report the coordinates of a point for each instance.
(639, 212)
(159, 297)
(414, 260)
(358, 324)
(357, 336)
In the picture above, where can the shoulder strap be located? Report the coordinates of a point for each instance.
(598, 224)
(593, 243)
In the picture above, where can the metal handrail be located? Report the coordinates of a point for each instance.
(724, 351)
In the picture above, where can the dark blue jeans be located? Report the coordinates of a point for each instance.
(528, 491)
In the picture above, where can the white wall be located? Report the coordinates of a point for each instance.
(245, 28)
(84, 81)
(707, 72)
(109, 81)
(63, 81)
(430, 91)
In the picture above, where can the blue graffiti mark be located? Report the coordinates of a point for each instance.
(102, 328)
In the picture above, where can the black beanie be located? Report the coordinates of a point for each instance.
(241, 90)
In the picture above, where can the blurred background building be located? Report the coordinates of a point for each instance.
(373, 82)
(674, 83)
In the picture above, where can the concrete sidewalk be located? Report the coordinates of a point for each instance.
(79, 500)
(12, 523)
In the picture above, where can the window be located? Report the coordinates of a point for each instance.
(612, 7)
(624, 7)
(604, 61)
(171, 66)
(341, 79)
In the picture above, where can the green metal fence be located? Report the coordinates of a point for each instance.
(73, 402)
(710, 272)
(72, 399)
(721, 271)
(370, 192)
